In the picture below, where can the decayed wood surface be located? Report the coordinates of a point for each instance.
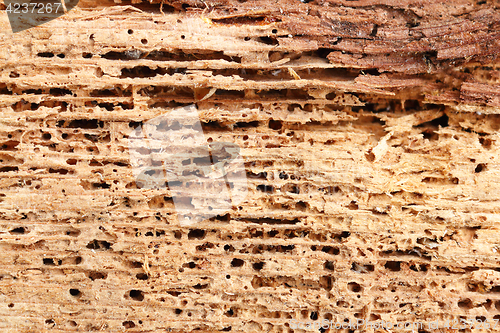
(370, 136)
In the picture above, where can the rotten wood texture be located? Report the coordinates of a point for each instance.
(369, 131)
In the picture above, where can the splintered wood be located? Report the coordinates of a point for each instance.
(369, 133)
